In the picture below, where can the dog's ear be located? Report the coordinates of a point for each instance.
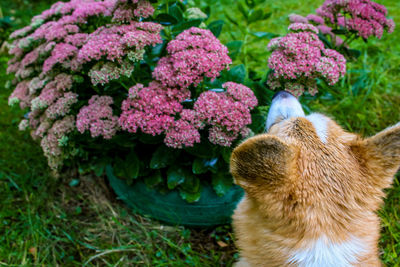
(381, 152)
(261, 160)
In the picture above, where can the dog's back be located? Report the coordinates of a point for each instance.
(312, 191)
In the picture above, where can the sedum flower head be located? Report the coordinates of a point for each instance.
(195, 13)
(299, 58)
(23, 125)
(227, 113)
(194, 54)
(364, 17)
(97, 118)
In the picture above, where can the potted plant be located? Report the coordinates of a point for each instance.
(143, 95)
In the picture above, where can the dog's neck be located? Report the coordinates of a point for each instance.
(324, 252)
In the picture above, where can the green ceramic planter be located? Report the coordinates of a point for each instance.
(210, 210)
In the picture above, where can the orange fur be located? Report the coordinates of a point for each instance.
(300, 189)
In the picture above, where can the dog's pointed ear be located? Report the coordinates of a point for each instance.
(382, 151)
(263, 159)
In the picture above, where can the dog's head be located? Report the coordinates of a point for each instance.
(309, 160)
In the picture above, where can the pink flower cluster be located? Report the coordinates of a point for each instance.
(52, 91)
(152, 108)
(62, 106)
(61, 41)
(227, 113)
(104, 73)
(55, 138)
(98, 117)
(61, 53)
(184, 131)
(299, 58)
(125, 11)
(194, 54)
(319, 23)
(71, 48)
(21, 95)
(365, 17)
(77, 11)
(158, 110)
(120, 44)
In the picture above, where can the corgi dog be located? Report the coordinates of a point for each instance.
(312, 190)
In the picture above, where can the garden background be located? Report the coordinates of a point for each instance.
(76, 220)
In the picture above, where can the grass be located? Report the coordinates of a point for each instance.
(46, 222)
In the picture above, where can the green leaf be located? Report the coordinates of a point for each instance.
(268, 35)
(175, 176)
(204, 149)
(163, 157)
(238, 73)
(232, 20)
(153, 179)
(127, 168)
(166, 19)
(99, 169)
(221, 183)
(325, 40)
(191, 184)
(189, 197)
(256, 15)
(207, 11)
(175, 11)
(216, 27)
(144, 167)
(121, 141)
(226, 154)
(157, 50)
(234, 48)
(267, 15)
(198, 166)
(261, 92)
(258, 122)
(132, 165)
(180, 27)
(353, 53)
(250, 3)
(190, 189)
(243, 10)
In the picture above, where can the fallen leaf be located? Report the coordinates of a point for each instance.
(222, 244)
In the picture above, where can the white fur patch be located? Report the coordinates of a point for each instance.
(327, 254)
(282, 109)
(320, 123)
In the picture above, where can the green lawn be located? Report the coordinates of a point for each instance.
(46, 222)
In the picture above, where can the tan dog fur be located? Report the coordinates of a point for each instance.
(300, 189)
